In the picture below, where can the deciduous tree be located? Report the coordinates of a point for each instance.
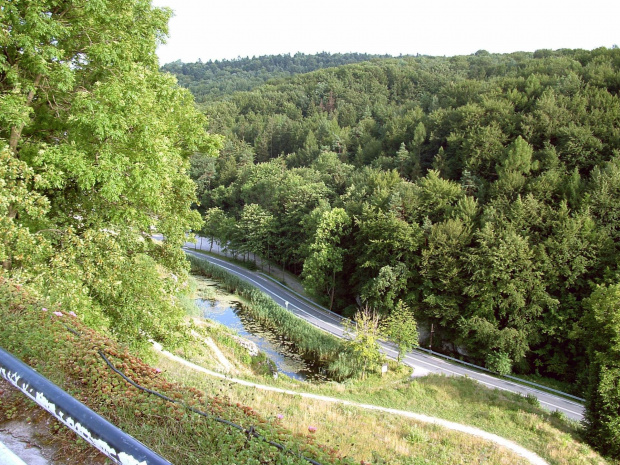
(95, 140)
(602, 417)
(326, 253)
(400, 327)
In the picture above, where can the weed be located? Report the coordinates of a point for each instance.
(532, 400)
(416, 435)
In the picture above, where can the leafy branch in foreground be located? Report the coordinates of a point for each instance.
(94, 149)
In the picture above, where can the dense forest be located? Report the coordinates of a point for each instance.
(483, 191)
(215, 79)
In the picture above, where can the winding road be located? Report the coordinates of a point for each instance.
(421, 362)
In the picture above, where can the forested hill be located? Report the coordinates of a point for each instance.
(481, 191)
(211, 80)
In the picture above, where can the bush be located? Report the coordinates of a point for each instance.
(343, 367)
(499, 362)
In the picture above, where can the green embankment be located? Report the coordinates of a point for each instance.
(308, 340)
(354, 431)
(45, 339)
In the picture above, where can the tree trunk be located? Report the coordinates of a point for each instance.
(16, 131)
(7, 263)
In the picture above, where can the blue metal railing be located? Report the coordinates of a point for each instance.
(120, 447)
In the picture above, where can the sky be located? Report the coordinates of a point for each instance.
(228, 29)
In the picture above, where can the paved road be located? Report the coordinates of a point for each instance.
(422, 363)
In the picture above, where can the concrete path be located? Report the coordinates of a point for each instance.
(18, 446)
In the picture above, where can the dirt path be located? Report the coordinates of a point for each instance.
(512, 446)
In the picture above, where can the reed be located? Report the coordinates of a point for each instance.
(307, 339)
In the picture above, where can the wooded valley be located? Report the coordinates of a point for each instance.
(481, 191)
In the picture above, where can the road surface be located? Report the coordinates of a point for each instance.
(422, 363)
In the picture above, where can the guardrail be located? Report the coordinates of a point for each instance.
(303, 297)
(514, 378)
(120, 447)
(437, 354)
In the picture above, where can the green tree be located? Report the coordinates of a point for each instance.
(402, 160)
(602, 326)
(506, 291)
(442, 270)
(213, 227)
(326, 253)
(255, 226)
(513, 168)
(362, 343)
(400, 327)
(385, 248)
(95, 141)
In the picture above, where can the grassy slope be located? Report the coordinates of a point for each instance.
(42, 340)
(383, 438)
(354, 432)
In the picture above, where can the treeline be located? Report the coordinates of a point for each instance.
(481, 191)
(214, 79)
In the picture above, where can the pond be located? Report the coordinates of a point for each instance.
(280, 351)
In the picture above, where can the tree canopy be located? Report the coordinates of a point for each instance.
(481, 192)
(94, 149)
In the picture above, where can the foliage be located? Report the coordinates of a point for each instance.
(326, 255)
(94, 148)
(60, 347)
(499, 362)
(480, 190)
(214, 79)
(602, 323)
(362, 342)
(400, 327)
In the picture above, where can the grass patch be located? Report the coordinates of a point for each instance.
(465, 401)
(42, 340)
(365, 436)
(369, 436)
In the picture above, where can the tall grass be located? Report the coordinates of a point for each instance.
(307, 339)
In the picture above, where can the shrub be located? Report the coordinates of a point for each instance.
(499, 362)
